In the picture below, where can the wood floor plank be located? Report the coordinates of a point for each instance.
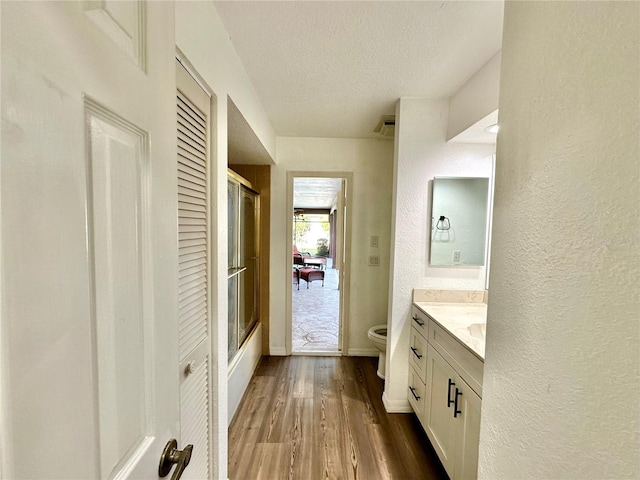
(303, 380)
(272, 459)
(308, 418)
(247, 425)
(275, 428)
(336, 443)
(385, 463)
(304, 454)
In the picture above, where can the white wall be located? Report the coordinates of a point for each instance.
(476, 99)
(201, 37)
(421, 153)
(561, 379)
(371, 162)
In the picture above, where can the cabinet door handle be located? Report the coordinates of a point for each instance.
(455, 406)
(418, 321)
(415, 352)
(449, 401)
(413, 392)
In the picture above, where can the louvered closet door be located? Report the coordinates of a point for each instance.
(194, 271)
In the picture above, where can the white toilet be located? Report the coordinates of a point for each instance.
(378, 336)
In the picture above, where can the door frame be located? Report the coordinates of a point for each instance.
(345, 274)
(213, 378)
(216, 272)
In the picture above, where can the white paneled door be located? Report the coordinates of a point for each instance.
(90, 355)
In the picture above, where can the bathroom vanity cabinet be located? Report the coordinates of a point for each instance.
(445, 381)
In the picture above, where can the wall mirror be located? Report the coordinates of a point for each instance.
(459, 219)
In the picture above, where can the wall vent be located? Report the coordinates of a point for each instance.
(386, 126)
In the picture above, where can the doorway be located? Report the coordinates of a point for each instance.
(318, 206)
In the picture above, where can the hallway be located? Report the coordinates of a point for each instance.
(322, 417)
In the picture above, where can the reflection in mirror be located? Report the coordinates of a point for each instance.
(459, 221)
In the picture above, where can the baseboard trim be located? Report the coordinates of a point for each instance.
(317, 354)
(362, 352)
(277, 351)
(396, 406)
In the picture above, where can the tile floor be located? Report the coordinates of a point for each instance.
(315, 315)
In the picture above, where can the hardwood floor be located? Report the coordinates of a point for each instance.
(322, 418)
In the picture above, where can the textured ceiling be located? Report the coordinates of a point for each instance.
(315, 192)
(331, 69)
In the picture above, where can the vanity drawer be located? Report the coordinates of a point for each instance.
(416, 394)
(420, 322)
(468, 366)
(418, 353)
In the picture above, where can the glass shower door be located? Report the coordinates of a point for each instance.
(233, 189)
(243, 263)
(249, 259)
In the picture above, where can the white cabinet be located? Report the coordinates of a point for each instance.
(418, 362)
(418, 355)
(420, 322)
(468, 432)
(447, 406)
(440, 423)
(417, 390)
(452, 418)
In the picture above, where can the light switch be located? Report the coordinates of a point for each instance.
(374, 261)
(374, 241)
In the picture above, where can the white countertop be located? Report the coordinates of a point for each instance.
(465, 321)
